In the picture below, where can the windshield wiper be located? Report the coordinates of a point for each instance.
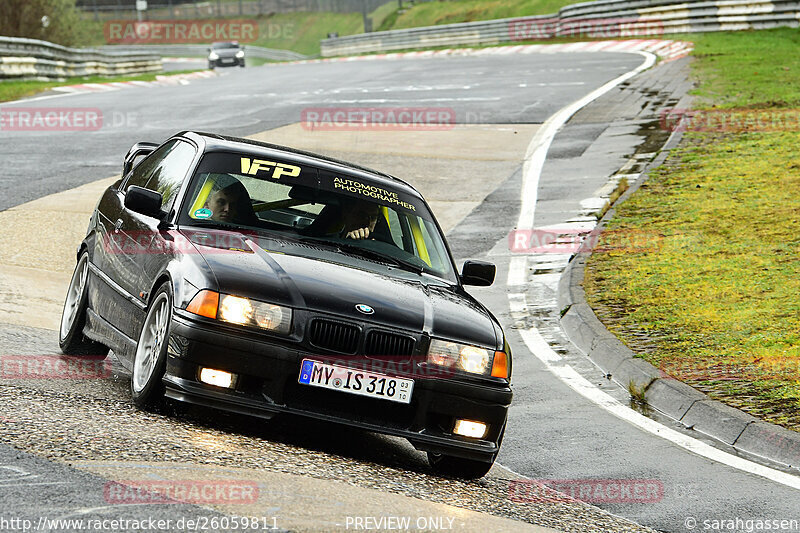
(321, 242)
(372, 254)
(353, 249)
(216, 224)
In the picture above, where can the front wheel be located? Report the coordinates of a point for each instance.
(73, 318)
(149, 364)
(458, 467)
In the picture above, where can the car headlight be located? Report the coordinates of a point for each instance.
(460, 356)
(240, 54)
(241, 311)
(213, 56)
(469, 358)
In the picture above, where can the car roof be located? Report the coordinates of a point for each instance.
(212, 142)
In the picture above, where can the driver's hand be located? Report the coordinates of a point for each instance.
(358, 234)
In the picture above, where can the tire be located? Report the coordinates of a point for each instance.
(150, 360)
(71, 339)
(457, 467)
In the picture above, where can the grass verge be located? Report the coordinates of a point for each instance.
(435, 13)
(14, 90)
(715, 304)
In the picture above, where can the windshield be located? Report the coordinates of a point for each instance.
(217, 46)
(351, 215)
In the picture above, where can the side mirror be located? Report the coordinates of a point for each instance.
(143, 201)
(137, 150)
(478, 273)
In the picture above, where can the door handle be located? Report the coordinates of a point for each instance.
(117, 225)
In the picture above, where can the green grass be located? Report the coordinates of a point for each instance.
(435, 13)
(384, 15)
(716, 294)
(302, 32)
(753, 69)
(14, 90)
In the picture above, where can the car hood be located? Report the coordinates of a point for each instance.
(254, 268)
(226, 52)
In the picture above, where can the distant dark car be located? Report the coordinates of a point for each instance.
(225, 54)
(260, 280)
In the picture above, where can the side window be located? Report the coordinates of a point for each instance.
(435, 251)
(142, 172)
(170, 172)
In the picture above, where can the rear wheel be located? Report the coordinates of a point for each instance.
(458, 467)
(149, 363)
(73, 318)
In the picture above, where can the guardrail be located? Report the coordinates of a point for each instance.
(177, 9)
(31, 58)
(601, 19)
(201, 50)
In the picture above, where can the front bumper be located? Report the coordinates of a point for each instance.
(226, 62)
(267, 384)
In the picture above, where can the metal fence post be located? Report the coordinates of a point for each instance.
(367, 20)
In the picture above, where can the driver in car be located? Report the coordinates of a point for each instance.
(230, 203)
(352, 219)
(359, 219)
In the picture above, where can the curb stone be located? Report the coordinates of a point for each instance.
(681, 402)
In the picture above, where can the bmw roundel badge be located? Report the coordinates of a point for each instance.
(364, 308)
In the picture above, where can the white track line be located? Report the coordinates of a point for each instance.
(555, 364)
(534, 160)
(540, 144)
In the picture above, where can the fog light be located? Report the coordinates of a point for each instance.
(217, 378)
(468, 428)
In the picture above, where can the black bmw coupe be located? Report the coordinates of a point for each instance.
(259, 279)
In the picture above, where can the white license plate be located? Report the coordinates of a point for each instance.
(355, 381)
